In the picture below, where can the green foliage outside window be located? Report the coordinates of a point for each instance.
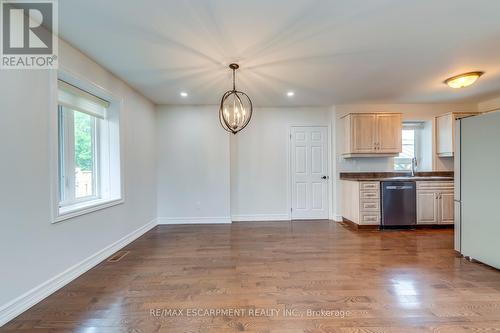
(83, 141)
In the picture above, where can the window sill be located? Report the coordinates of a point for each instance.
(69, 212)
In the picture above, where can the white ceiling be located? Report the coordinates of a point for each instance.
(326, 51)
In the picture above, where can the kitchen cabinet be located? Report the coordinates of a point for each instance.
(361, 202)
(446, 207)
(427, 207)
(372, 134)
(445, 132)
(435, 202)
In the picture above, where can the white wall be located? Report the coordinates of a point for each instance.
(489, 105)
(196, 156)
(427, 148)
(193, 165)
(206, 175)
(32, 249)
(259, 161)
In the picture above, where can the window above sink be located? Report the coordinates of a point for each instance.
(411, 136)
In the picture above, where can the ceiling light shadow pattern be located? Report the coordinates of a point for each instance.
(293, 33)
(154, 77)
(208, 17)
(298, 44)
(166, 41)
(290, 34)
(275, 87)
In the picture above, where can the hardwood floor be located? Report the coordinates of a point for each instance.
(371, 281)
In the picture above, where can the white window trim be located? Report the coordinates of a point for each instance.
(59, 214)
(86, 207)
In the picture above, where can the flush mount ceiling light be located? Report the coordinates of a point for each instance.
(290, 94)
(183, 94)
(463, 80)
(235, 107)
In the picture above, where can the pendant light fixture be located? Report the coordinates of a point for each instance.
(235, 107)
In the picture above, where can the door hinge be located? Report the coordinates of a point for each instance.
(291, 209)
(290, 137)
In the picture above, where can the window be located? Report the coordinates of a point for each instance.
(78, 151)
(410, 135)
(88, 150)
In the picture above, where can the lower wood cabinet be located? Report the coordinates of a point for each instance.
(361, 202)
(435, 202)
(447, 208)
(427, 207)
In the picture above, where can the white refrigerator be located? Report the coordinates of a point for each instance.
(477, 188)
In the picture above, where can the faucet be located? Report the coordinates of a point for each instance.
(414, 164)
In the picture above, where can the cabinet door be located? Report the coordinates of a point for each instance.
(389, 133)
(427, 207)
(444, 135)
(363, 128)
(446, 208)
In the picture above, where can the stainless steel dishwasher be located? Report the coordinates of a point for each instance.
(399, 204)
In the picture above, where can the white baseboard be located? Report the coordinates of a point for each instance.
(337, 218)
(194, 220)
(22, 303)
(261, 217)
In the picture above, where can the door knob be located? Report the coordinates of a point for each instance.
(324, 177)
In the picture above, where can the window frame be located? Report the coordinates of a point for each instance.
(110, 131)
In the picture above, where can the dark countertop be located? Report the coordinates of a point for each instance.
(400, 179)
(397, 176)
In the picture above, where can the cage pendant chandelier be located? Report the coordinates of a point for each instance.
(236, 107)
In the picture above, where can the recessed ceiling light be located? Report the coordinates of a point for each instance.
(184, 94)
(290, 94)
(463, 80)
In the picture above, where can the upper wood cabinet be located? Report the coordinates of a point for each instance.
(445, 132)
(372, 134)
(363, 133)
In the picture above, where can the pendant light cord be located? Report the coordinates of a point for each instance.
(234, 84)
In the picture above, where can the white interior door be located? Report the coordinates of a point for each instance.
(309, 172)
